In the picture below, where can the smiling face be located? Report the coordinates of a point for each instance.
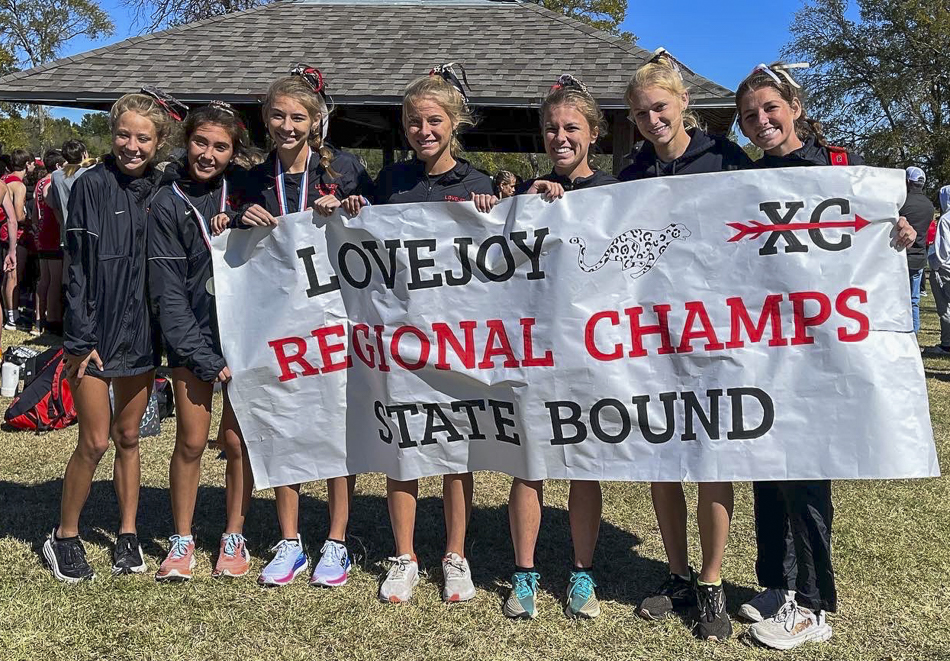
(209, 151)
(567, 137)
(768, 120)
(658, 113)
(134, 142)
(288, 123)
(428, 129)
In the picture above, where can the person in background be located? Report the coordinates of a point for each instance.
(49, 310)
(505, 183)
(21, 163)
(938, 258)
(919, 212)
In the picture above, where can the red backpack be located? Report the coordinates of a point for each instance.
(47, 401)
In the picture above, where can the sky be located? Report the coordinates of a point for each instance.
(722, 45)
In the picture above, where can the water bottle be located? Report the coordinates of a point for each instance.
(9, 379)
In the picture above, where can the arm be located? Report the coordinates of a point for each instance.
(9, 263)
(82, 245)
(168, 266)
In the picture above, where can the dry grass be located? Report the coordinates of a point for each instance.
(891, 541)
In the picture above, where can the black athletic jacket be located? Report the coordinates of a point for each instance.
(810, 153)
(598, 178)
(407, 181)
(257, 186)
(919, 211)
(705, 153)
(179, 268)
(106, 304)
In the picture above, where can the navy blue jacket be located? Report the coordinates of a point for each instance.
(705, 153)
(598, 178)
(407, 181)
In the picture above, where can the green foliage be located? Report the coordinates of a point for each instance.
(881, 82)
(94, 131)
(25, 133)
(35, 31)
(606, 15)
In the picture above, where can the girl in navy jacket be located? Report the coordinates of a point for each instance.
(303, 172)
(181, 289)
(108, 329)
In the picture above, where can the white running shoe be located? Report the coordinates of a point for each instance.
(289, 561)
(401, 578)
(458, 579)
(765, 605)
(790, 627)
(334, 566)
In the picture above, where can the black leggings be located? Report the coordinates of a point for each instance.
(793, 535)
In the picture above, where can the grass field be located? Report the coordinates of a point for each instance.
(891, 551)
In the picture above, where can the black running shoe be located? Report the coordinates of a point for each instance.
(66, 558)
(674, 594)
(711, 621)
(127, 555)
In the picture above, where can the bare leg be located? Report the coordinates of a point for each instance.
(714, 513)
(457, 508)
(288, 506)
(584, 507)
(401, 497)
(238, 478)
(91, 399)
(193, 420)
(339, 496)
(131, 399)
(524, 518)
(669, 503)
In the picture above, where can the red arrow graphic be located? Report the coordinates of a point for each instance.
(756, 228)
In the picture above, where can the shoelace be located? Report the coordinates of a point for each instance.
(399, 569)
(453, 568)
(282, 548)
(671, 586)
(525, 583)
(788, 616)
(709, 603)
(73, 553)
(231, 543)
(582, 584)
(179, 546)
(332, 555)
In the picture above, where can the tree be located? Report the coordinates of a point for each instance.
(155, 14)
(35, 31)
(882, 82)
(606, 15)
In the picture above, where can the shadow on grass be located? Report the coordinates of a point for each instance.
(28, 512)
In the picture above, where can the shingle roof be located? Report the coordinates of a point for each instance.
(369, 51)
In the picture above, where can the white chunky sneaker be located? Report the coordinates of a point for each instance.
(458, 579)
(765, 605)
(792, 626)
(401, 578)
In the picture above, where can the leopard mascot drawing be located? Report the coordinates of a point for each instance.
(637, 250)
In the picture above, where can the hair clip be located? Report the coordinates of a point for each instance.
(228, 109)
(175, 108)
(312, 76)
(566, 80)
(447, 72)
(779, 69)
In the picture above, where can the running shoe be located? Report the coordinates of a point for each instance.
(127, 555)
(180, 561)
(289, 561)
(233, 559)
(10, 322)
(522, 601)
(709, 615)
(581, 599)
(334, 567)
(765, 605)
(400, 580)
(792, 626)
(675, 593)
(458, 579)
(66, 558)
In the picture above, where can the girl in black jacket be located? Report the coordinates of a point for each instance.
(108, 334)
(792, 518)
(434, 108)
(571, 122)
(303, 172)
(182, 294)
(675, 144)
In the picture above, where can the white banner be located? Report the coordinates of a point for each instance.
(735, 326)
